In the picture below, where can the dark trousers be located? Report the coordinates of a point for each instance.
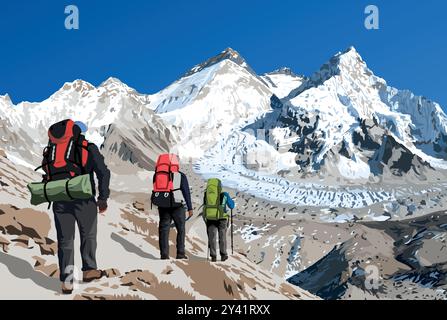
(166, 217)
(214, 228)
(66, 215)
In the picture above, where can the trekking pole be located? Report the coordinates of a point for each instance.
(232, 244)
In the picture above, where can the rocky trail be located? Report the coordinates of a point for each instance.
(127, 249)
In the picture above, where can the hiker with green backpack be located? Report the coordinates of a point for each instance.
(215, 213)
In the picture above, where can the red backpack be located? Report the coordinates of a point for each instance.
(166, 192)
(66, 155)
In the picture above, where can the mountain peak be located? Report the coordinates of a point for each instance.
(352, 50)
(115, 84)
(111, 81)
(6, 98)
(283, 70)
(77, 85)
(230, 52)
(227, 54)
(348, 62)
(350, 53)
(342, 62)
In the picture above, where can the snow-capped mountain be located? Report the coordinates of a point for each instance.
(212, 99)
(136, 139)
(228, 54)
(15, 138)
(339, 146)
(106, 109)
(428, 120)
(345, 88)
(187, 117)
(347, 121)
(283, 81)
(80, 100)
(337, 128)
(342, 122)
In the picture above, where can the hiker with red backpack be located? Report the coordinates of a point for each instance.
(70, 163)
(171, 194)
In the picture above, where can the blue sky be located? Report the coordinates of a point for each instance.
(149, 44)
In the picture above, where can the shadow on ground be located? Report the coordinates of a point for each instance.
(130, 247)
(23, 270)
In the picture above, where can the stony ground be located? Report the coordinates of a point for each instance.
(127, 249)
(288, 240)
(337, 259)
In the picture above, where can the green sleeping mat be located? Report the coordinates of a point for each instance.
(79, 187)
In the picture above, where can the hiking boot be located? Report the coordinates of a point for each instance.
(67, 288)
(182, 257)
(224, 258)
(164, 257)
(213, 259)
(90, 275)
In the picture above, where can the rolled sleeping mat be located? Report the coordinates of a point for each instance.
(79, 187)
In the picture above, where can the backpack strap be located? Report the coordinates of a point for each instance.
(162, 171)
(46, 161)
(67, 189)
(81, 154)
(45, 191)
(84, 153)
(179, 176)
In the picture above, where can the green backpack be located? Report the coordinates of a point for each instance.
(214, 203)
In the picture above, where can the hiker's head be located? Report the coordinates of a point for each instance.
(82, 126)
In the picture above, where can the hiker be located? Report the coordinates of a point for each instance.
(216, 204)
(69, 155)
(171, 194)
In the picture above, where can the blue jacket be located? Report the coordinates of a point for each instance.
(228, 202)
